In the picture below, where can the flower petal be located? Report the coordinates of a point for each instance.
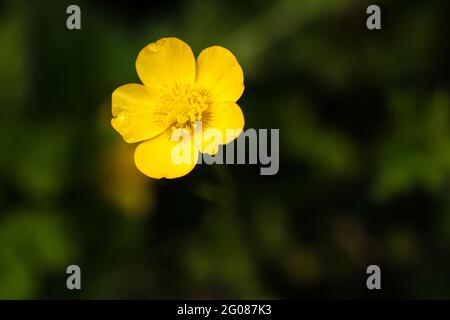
(133, 109)
(166, 62)
(219, 72)
(222, 123)
(166, 157)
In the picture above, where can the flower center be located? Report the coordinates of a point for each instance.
(182, 105)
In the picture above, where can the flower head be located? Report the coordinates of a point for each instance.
(178, 93)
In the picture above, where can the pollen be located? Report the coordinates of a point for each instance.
(183, 105)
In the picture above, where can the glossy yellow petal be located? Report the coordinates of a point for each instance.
(167, 156)
(166, 62)
(133, 109)
(219, 72)
(222, 123)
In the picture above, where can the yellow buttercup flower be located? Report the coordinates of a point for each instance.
(178, 92)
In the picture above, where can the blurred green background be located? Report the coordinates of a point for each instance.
(364, 119)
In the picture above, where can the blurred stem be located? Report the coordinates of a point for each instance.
(248, 42)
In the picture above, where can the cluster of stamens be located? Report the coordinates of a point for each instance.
(183, 105)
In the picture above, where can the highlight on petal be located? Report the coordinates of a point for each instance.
(167, 155)
(222, 123)
(133, 110)
(166, 62)
(219, 72)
